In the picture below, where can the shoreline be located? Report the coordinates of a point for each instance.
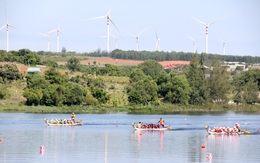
(166, 109)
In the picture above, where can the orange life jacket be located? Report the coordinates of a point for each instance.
(161, 121)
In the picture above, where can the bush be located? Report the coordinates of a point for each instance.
(3, 94)
(90, 100)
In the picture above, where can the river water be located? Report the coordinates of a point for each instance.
(110, 138)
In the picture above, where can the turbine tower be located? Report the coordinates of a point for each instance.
(48, 38)
(194, 44)
(157, 44)
(7, 25)
(116, 38)
(58, 32)
(107, 16)
(224, 45)
(207, 28)
(137, 38)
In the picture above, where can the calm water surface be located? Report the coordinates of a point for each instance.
(111, 138)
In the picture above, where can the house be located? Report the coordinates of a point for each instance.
(32, 70)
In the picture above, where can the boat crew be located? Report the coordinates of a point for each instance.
(237, 126)
(161, 122)
(73, 117)
(139, 125)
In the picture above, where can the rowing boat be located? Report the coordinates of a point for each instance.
(150, 127)
(212, 132)
(63, 122)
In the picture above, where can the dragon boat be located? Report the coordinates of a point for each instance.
(65, 122)
(225, 131)
(150, 127)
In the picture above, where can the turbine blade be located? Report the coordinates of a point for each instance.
(191, 38)
(114, 25)
(218, 19)
(2, 27)
(142, 31)
(131, 35)
(199, 21)
(156, 35)
(55, 30)
(113, 35)
(43, 34)
(99, 17)
(11, 26)
(109, 12)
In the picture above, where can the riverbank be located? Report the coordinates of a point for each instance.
(164, 109)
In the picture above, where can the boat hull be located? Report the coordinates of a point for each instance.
(241, 132)
(150, 128)
(225, 133)
(77, 123)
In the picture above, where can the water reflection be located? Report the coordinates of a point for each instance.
(153, 137)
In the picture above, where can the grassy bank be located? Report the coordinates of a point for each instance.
(163, 109)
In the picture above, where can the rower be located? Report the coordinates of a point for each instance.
(237, 126)
(161, 122)
(139, 125)
(73, 117)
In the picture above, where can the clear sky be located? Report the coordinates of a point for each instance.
(170, 19)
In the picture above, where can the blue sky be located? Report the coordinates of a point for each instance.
(169, 18)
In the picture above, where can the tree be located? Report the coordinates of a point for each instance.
(73, 64)
(9, 72)
(176, 90)
(54, 77)
(250, 94)
(31, 58)
(247, 87)
(53, 95)
(197, 82)
(36, 81)
(218, 82)
(63, 50)
(74, 94)
(51, 63)
(151, 68)
(136, 75)
(33, 96)
(100, 94)
(142, 91)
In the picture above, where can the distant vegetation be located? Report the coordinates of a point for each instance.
(203, 82)
(156, 55)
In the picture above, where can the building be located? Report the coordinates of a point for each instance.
(32, 70)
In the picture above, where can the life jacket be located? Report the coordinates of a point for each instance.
(73, 116)
(161, 121)
(139, 125)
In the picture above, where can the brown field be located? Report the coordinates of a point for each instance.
(130, 62)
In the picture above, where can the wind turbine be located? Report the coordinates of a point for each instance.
(107, 16)
(7, 25)
(224, 45)
(137, 38)
(157, 44)
(48, 38)
(207, 26)
(194, 44)
(116, 38)
(58, 32)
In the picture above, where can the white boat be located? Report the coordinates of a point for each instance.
(212, 132)
(150, 127)
(63, 122)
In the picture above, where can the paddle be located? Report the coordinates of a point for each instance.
(246, 131)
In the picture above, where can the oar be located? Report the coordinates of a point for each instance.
(246, 131)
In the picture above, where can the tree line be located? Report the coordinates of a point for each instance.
(149, 83)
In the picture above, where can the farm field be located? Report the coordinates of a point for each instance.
(121, 62)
